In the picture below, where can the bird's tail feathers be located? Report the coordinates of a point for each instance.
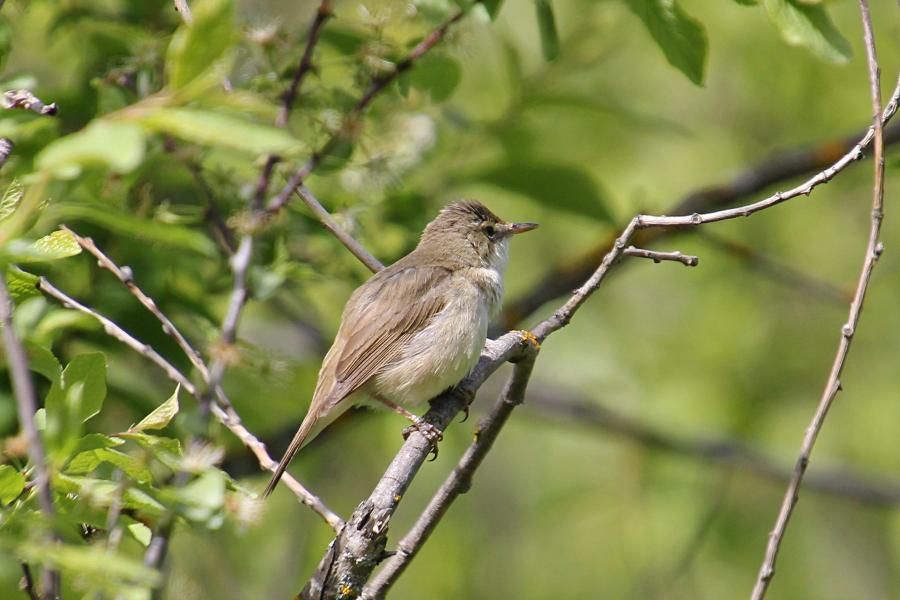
(303, 432)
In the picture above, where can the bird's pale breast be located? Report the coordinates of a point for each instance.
(440, 355)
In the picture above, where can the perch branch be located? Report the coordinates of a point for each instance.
(685, 259)
(873, 251)
(458, 482)
(26, 403)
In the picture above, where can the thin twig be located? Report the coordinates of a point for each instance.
(222, 410)
(125, 275)
(315, 29)
(331, 225)
(25, 100)
(26, 403)
(685, 259)
(184, 9)
(457, 482)
(27, 584)
(873, 251)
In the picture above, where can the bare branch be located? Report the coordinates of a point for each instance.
(27, 583)
(26, 403)
(331, 225)
(873, 251)
(315, 29)
(222, 410)
(458, 482)
(25, 100)
(685, 259)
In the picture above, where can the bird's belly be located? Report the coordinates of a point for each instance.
(439, 356)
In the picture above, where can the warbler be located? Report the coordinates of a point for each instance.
(417, 327)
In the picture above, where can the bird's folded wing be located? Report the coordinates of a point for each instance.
(398, 305)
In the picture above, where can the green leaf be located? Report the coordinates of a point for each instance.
(194, 48)
(85, 462)
(216, 129)
(117, 146)
(160, 416)
(12, 197)
(140, 532)
(12, 482)
(57, 245)
(77, 397)
(492, 7)
(437, 74)
(95, 441)
(41, 360)
(337, 152)
(561, 186)
(547, 28)
(21, 284)
(681, 38)
(747, 2)
(809, 26)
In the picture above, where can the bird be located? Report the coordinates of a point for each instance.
(417, 327)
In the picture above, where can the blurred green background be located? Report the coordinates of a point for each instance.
(579, 143)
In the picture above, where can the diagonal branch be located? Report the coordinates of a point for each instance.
(873, 251)
(458, 482)
(26, 403)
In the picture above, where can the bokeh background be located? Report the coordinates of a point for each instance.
(734, 350)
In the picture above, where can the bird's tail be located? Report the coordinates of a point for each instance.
(303, 432)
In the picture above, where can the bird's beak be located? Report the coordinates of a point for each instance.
(514, 228)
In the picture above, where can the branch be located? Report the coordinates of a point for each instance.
(26, 403)
(26, 584)
(776, 169)
(322, 14)
(458, 482)
(721, 451)
(222, 410)
(874, 249)
(677, 256)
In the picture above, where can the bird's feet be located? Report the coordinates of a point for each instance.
(429, 431)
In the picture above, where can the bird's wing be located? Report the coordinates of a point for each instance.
(380, 325)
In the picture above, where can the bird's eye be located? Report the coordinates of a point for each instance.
(490, 231)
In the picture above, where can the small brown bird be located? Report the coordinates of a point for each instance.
(417, 327)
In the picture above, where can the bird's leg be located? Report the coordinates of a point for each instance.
(431, 433)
